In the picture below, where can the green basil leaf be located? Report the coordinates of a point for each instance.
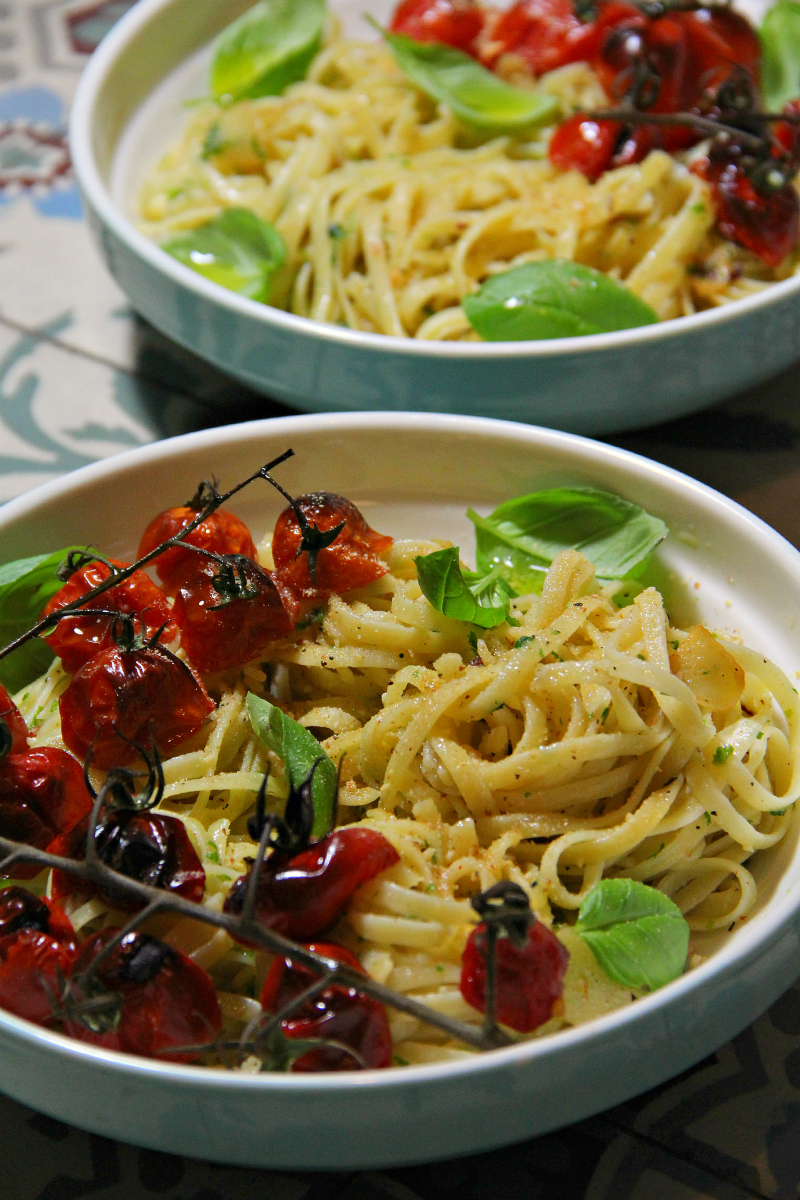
(266, 48)
(26, 585)
(523, 536)
(553, 299)
(637, 934)
(481, 598)
(474, 95)
(299, 750)
(780, 49)
(236, 249)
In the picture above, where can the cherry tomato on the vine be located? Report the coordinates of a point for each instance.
(350, 561)
(217, 632)
(76, 640)
(301, 895)
(529, 981)
(153, 848)
(584, 145)
(166, 1000)
(221, 532)
(544, 33)
(142, 694)
(766, 221)
(37, 944)
(42, 794)
(453, 22)
(340, 1013)
(13, 719)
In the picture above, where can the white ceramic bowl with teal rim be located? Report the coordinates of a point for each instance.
(129, 107)
(414, 475)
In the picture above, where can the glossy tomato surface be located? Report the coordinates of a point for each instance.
(222, 532)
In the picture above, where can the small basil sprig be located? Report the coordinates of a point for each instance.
(236, 249)
(523, 536)
(266, 48)
(299, 750)
(476, 96)
(637, 934)
(553, 299)
(482, 599)
(780, 50)
(26, 585)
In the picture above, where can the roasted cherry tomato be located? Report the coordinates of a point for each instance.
(143, 694)
(787, 133)
(530, 981)
(17, 729)
(766, 221)
(78, 639)
(42, 794)
(302, 895)
(37, 943)
(153, 848)
(350, 561)
(221, 532)
(217, 632)
(20, 909)
(720, 40)
(548, 33)
(454, 22)
(584, 145)
(339, 1013)
(166, 1000)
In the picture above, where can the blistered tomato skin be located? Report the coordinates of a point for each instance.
(77, 640)
(339, 1013)
(143, 694)
(221, 532)
(37, 943)
(217, 634)
(10, 714)
(301, 896)
(454, 23)
(152, 848)
(351, 560)
(42, 794)
(167, 1001)
(529, 981)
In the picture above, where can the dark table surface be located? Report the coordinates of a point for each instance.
(82, 377)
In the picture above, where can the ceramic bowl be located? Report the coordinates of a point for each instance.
(129, 107)
(414, 475)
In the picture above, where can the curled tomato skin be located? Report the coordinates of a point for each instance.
(584, 145)
(340, 1013)
(10, 714)
(42, 794)
(140, 693)
(351, 560)
(153, 848)
(77, 640)
(217, 634)
(530, 981)
(765, 222)
(166, 1000)
(300, 896)
(221, 532)
(453, 22)
(37, 942)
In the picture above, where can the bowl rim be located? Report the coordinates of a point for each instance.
(91, 181)
(748, 943)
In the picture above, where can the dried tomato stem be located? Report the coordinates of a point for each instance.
(121, 575)
(635, 116)
(251, 931)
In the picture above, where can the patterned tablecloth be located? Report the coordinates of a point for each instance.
(80, 378)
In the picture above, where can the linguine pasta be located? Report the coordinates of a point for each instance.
(586, 741)
(390, 218)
